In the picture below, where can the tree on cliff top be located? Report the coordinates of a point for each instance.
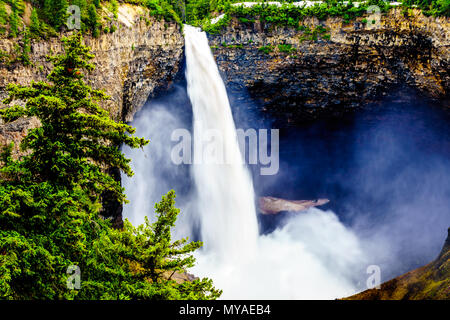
(50, 199)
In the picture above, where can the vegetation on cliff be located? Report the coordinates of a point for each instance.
(291, 15)
(50, 201)
(430, 7)
(45, 18)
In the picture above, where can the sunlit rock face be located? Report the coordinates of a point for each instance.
(320, 78)
(345, 68)
(137, 61)
(323, 77)
(133, 63)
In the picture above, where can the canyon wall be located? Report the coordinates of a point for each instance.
(341, 68)
(140, 59)
(345, 67)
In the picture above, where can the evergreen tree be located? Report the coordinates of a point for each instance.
(14, 23)
(147, 258)
(3, 14)
(50, 200)
(35, 24)
(69, 139)
(114, 7)
(55, 12)
(93, 20)
(54, 190)
(3, 18)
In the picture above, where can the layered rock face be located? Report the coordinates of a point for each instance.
(142, 57)
(134, 63)
(343, 67)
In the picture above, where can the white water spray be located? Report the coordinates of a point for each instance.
(225, 191)
(312, 256)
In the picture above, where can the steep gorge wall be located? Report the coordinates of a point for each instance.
(327, 77)
(134, 63)
(321, 78)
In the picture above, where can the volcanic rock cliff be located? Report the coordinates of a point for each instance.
(304, 75)
(137, 61)
(293, 75)
(333, 66)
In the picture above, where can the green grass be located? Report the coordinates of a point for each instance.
(287, 48)
(266, 49)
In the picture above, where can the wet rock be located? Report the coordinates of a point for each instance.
(272, 205)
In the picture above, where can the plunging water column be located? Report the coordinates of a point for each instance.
(311, 256)
(225, 191)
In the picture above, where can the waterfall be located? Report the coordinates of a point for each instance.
(226, 205)
(310, 256)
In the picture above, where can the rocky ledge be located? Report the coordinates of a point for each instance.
(272, 205)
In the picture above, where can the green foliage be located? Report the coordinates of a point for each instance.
(69, 139)
(35, 24)
(144, 258)
(287, 48)
(266, 49)
(114, 7)
(313, 35)
(14, 23)
(23, 48)
(50, 200)
(3, 14)
(17, 5)
(217, 27)
(163, 9)
(55, 12)
(245, 20)
(198, 10)
(288, 14)
(430, 7)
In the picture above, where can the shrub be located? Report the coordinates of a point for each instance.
(287, 48)
(266, 49)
